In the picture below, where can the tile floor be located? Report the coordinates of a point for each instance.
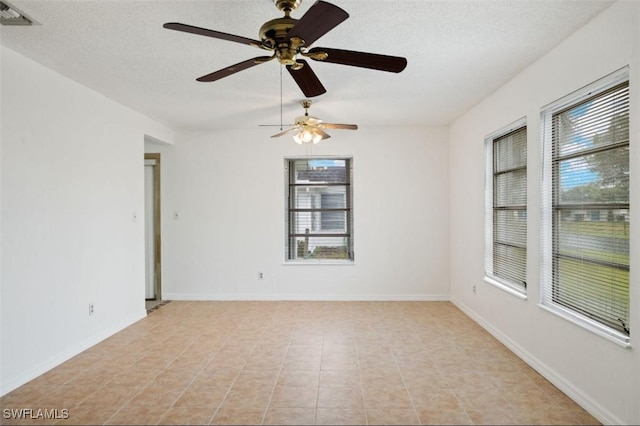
(298, 363)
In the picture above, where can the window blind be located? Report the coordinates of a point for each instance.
(508, 221)
(589, 214)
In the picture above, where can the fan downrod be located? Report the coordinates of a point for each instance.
(306, 104)
(287, 6)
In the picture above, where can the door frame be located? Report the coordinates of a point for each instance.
(156, 222)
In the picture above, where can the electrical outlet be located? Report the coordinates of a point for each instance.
(260, 276)
(91, 310)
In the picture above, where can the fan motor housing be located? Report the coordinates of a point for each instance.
(277, 29)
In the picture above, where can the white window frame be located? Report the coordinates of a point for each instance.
(348, 227)
(546, 223)
(489, 277)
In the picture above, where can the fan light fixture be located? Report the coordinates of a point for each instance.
(310, 129)
(306, 135)
(10, 16)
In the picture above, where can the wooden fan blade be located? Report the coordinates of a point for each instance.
(339, 126)
(225, 72)
(284, 132)
(361, 59)
(210, 33)
(307, 80)
(324, 134)
(321, 18)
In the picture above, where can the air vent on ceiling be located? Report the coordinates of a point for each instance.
(10, 16)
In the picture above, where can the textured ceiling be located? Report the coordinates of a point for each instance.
(458, 52)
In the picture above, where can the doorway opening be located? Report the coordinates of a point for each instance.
(153, 276)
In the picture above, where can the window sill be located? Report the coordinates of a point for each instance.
(316, 262)
(505, 287)
(593, 326)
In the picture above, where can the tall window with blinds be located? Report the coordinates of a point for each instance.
(319, 217)
(587, 208)
(506, 212)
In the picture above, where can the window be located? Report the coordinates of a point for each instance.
(319, 209)
(506, 208)
(585, 265)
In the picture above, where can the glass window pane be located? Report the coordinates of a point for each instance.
(593, 289)
(510, 227)
(511, 188)
(510, 151)
(596, 122)
(509, 263)
(605, 238)
(320, 171)
(321, 247)
(602, 177)
(317, 197)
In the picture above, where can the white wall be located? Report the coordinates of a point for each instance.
(228, 189)
(72, 178)
(602, 376)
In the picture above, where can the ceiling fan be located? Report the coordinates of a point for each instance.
(288, 38)
(311, 129)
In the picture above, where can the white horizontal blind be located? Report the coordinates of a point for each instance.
(319, 209)
(589, 166)
(507, 261)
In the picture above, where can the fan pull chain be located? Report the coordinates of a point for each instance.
(280, 97)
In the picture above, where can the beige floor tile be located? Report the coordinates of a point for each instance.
(157, 395)
(376, 379)
(457, 416)
(294, 397)
(386, 397)
(111, 396)
(339, 362)
(443, 399)
(202, 396)
(138, 415)
(491, 416)
(256, 378)
(261, 362)
(247, 397)
(290, 416)
(302, 362)
(481, 398)
(340, 378)
(238, 416)
(298, 378)
(216, 376)
(67, 396)
(187, 416)
(340, 416)
(392, 416)
(335, 397)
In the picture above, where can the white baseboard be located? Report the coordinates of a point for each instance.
(595, 409)
(20, 379)
(310, 297)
